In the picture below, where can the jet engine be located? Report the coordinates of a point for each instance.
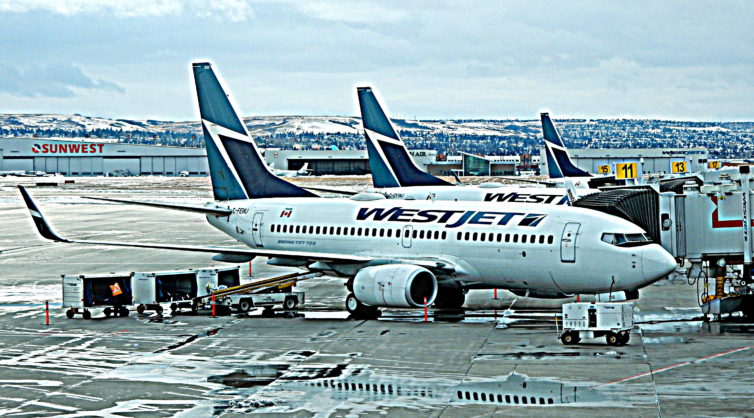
(395, 286)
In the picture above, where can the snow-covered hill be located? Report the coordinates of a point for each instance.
(261, 125)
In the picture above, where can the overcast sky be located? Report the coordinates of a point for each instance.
(429, 59)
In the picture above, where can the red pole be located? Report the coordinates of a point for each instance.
(249, 268)
(47, 312)
(495, 294)
(425, 310)
(214, 308)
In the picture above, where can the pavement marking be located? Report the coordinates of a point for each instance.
(681, 364)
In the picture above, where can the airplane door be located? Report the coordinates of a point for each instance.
(256, 229)
(568, 242)
(408, 230)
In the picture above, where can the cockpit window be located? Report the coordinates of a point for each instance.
(626, 240)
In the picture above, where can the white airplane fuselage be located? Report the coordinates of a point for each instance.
(562, 251)
(483, 193)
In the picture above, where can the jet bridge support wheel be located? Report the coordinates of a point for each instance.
(69, 313)
(612, 338)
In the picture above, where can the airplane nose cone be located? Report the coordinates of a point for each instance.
(656, 263)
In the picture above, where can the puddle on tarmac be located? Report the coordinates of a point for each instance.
(665, 340)
(323, 389)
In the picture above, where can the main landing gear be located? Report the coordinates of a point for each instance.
(450, 298)
(360, 311)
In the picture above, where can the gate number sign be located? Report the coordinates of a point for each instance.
(626, 171)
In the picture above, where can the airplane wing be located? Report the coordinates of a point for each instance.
(207, 210)
(436, 264)
(44, 229)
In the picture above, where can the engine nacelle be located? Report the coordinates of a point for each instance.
(395, 286)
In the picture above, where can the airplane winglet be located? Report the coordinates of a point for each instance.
(40, 222)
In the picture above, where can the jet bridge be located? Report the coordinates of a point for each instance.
(639, 205)
(699, 220)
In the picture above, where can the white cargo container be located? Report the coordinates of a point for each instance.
(83, 294)
(179, 287)
(614, 321)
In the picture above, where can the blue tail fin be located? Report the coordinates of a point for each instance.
(235, 164)
(389, 160)
(559, 163)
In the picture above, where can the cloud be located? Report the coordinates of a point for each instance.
(234, 10)
(350, 12)
(50, 80)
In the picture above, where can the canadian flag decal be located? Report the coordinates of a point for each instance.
(286, 213)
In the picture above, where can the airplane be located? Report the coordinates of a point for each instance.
(396, 176)
(397, 254)
(560, 166)
(303, 171)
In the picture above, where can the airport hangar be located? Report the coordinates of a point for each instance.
(99, 158)
(649, 160)
(95, 157)
(102, 157)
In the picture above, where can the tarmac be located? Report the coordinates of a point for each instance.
(317, 360)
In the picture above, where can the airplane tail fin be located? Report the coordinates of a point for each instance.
(389, 160)
(305, 168)
(235, 163)
(559, 163)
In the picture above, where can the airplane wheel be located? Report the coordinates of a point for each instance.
(108, 312)
(359, 310)
(69, 313)
(87, 315)
(290, 303)
(612, 338)
(244, 305)
(353, 305)
(570, 338)
(140, 309)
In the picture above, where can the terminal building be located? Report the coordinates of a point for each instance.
(99, 158)
(649, 160)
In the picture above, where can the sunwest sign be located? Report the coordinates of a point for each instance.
(67, 148)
